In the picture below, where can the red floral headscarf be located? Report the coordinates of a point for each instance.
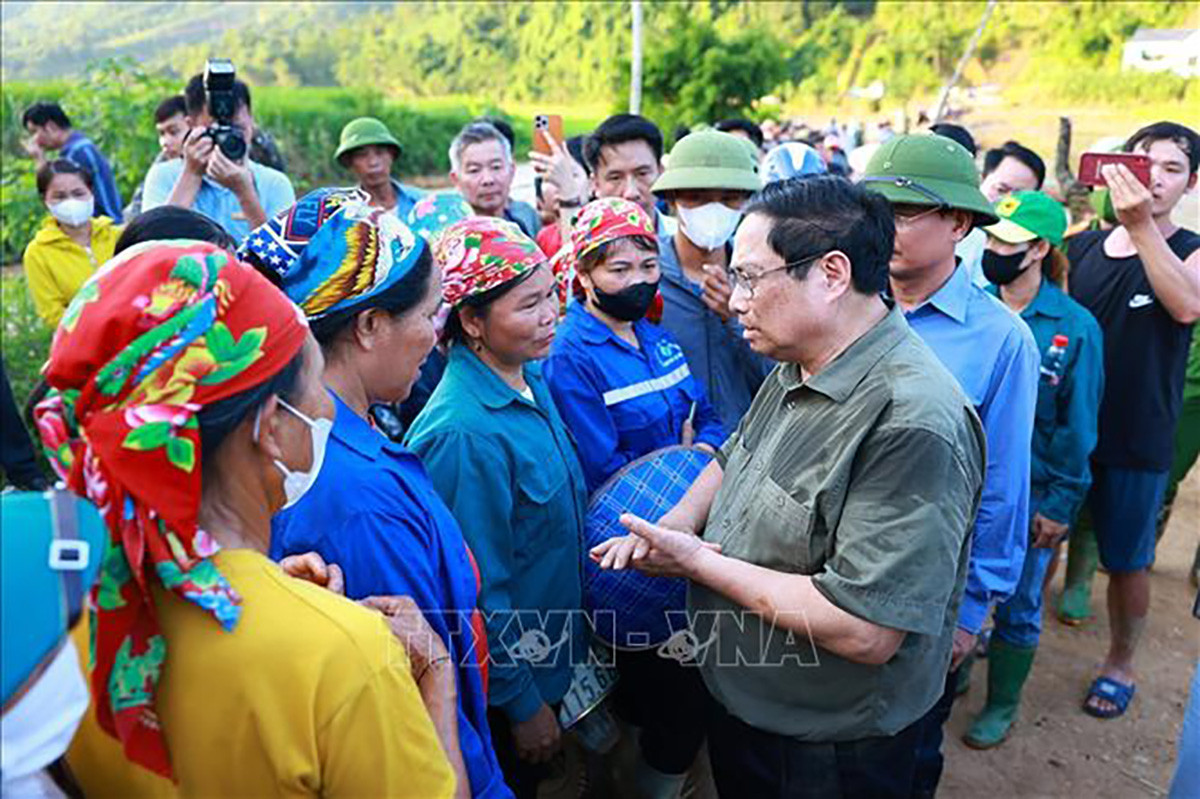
(481, 253)
(600, 222)
(158, 333)
(604, 220)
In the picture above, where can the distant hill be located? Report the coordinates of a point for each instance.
(48, 40)
(574, 51)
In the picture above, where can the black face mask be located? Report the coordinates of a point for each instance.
(1000, 269)
(630, 303)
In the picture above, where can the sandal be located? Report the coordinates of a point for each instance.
(1108, 689)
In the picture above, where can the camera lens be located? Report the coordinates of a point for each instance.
(232, 143)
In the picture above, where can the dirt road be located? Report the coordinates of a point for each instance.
(1056, 750)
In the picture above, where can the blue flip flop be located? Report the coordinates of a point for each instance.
(1108, 689)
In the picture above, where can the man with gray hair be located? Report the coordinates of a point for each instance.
(482, 168)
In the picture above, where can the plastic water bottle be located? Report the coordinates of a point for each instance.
(1052, 364)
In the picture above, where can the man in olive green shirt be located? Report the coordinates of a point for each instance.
(826, 582)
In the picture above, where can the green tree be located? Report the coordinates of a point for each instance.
(698, 75)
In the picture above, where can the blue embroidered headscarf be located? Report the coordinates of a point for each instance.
(332, 250)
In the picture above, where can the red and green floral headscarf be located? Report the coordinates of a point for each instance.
(604, 220)
(598, 223)
(481, 253)
(152, 338)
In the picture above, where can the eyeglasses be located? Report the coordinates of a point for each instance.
(738, 277)
(906, 219)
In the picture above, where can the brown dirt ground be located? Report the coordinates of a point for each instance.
(1057, 751)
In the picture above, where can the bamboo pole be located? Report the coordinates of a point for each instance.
(962, 62)
(635, 63)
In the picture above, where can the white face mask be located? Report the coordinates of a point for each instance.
(73, 212)
(709, 226)
(38, 729)
(296, 484)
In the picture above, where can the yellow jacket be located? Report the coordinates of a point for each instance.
(56, 267)
(310, 695)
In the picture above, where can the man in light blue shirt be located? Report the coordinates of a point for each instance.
(237, 195)
(933, 186)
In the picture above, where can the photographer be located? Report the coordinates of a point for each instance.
(238, 193)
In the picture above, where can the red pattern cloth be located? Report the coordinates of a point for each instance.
(157, 334)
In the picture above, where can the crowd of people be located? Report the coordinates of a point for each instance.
(343, 449)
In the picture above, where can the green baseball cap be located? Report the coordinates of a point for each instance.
(361, 132)
(709, 159)
(927, 169)
(1028, 215)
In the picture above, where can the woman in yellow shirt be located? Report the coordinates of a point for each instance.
(187, 404)
(71, 244)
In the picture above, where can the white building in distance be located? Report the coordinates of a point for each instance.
(1164, 50)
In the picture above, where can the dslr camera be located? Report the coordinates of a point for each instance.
(218, 94)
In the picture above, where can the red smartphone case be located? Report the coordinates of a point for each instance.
(1090, 163)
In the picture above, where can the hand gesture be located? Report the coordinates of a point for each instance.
(1131, 200)
(964, 642)
(197, 149)
(538, 737)
(688, 435)
(312, 568)
(425, 649)
(717, 291)
(1047, 532)
(651, 549)
(33, 149)
(560, 169)
(232, 175)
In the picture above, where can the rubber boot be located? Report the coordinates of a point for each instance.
(1083, 555)
(650, 783)
(1008, 668)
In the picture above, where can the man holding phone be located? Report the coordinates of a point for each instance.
(1141, 280)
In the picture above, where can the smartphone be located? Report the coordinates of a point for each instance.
(551, 123)
(1090, 163)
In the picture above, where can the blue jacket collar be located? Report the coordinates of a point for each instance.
(486, 385)
(594, 331)
(354, 431)
(1050, 301)
(591, 329)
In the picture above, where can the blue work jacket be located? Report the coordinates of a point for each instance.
(621, 402)
(508, 471)
(374, 512)
(1067, 421)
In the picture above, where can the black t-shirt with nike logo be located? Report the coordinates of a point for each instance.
(1145, 351)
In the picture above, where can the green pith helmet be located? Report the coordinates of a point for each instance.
(361, 132)
(709, 159)
(927, 169)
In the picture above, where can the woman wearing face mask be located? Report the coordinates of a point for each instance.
(371, 293)
(622, 385)
(187, 406)
(71, 244)
(709, 176)
(1026, 269)
(624, 389)
(499, 455)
